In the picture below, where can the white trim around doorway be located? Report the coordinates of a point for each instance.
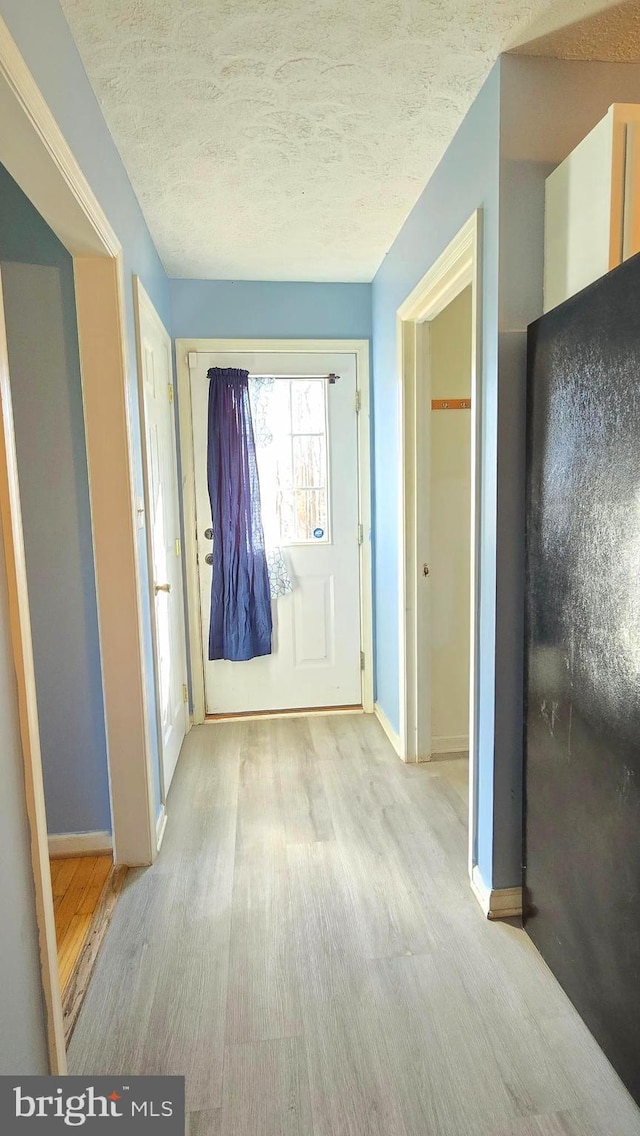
(36, 154)
(27, 713)
(357, 347)
(458, 267)
(38, 157)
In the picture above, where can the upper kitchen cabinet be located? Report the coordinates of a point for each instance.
(592, 206)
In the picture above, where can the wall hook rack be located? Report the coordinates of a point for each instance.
(451, 404)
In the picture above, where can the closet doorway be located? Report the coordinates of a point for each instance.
(440, 367)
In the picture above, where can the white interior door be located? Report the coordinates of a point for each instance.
(163, 522)
(313, 518)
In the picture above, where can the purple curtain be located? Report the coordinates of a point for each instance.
(240, 626)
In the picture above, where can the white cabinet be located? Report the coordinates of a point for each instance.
(592, 206)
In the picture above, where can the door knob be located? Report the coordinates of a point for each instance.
(163, 588)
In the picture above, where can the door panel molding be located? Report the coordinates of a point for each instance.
(357, 347)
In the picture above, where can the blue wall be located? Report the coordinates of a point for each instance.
(268, 309)
(497, 162)
(527, 118)
(22, 1012)
(54, 490)
(466, 179)
(44, 39)
(210, 309)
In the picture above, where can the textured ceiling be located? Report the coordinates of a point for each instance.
(610, 36)
(288, 139)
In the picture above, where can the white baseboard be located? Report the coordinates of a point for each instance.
(161, 825)
(457, 743)
(497, 903)
(79, 844)
(392, 734)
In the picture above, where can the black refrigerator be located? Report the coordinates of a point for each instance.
(582, 657)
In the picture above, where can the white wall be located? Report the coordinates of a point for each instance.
(22, 1036)
(450, 547)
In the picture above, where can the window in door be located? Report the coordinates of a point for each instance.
(290, 417)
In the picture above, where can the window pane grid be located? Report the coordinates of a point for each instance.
(296, 468)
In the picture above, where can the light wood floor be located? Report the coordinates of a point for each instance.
(77, 883)
(307, 951)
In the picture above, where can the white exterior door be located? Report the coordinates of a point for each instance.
(164, 536)
(309, 488)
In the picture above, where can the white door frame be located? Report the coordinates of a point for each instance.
(143, 304)
(21, 642)
(458, 267)
(36, 154)
(357, 347)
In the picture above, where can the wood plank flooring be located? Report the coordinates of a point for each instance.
(76, 987)
(77, 883)
(308, 953)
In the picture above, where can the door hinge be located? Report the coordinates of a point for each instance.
(358, 401)
(360, 534)
(185, 692)
(362, 661)
(178, 547)
(170, 392)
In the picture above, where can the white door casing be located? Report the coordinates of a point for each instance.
(321, 628)
(162, 508)
(458, 267)
(316, 636)
(38, 157)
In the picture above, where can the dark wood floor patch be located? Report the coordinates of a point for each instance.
(76, 988)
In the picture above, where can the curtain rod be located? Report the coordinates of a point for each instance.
(192, 362)
(331, 378)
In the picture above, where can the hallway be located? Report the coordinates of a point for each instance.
(308, 952)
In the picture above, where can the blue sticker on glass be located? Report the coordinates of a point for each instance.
(318, 533)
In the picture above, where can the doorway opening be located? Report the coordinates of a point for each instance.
(310, 406)
(46, 393)
(38, 158)
(440, 368)
(446, 349)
